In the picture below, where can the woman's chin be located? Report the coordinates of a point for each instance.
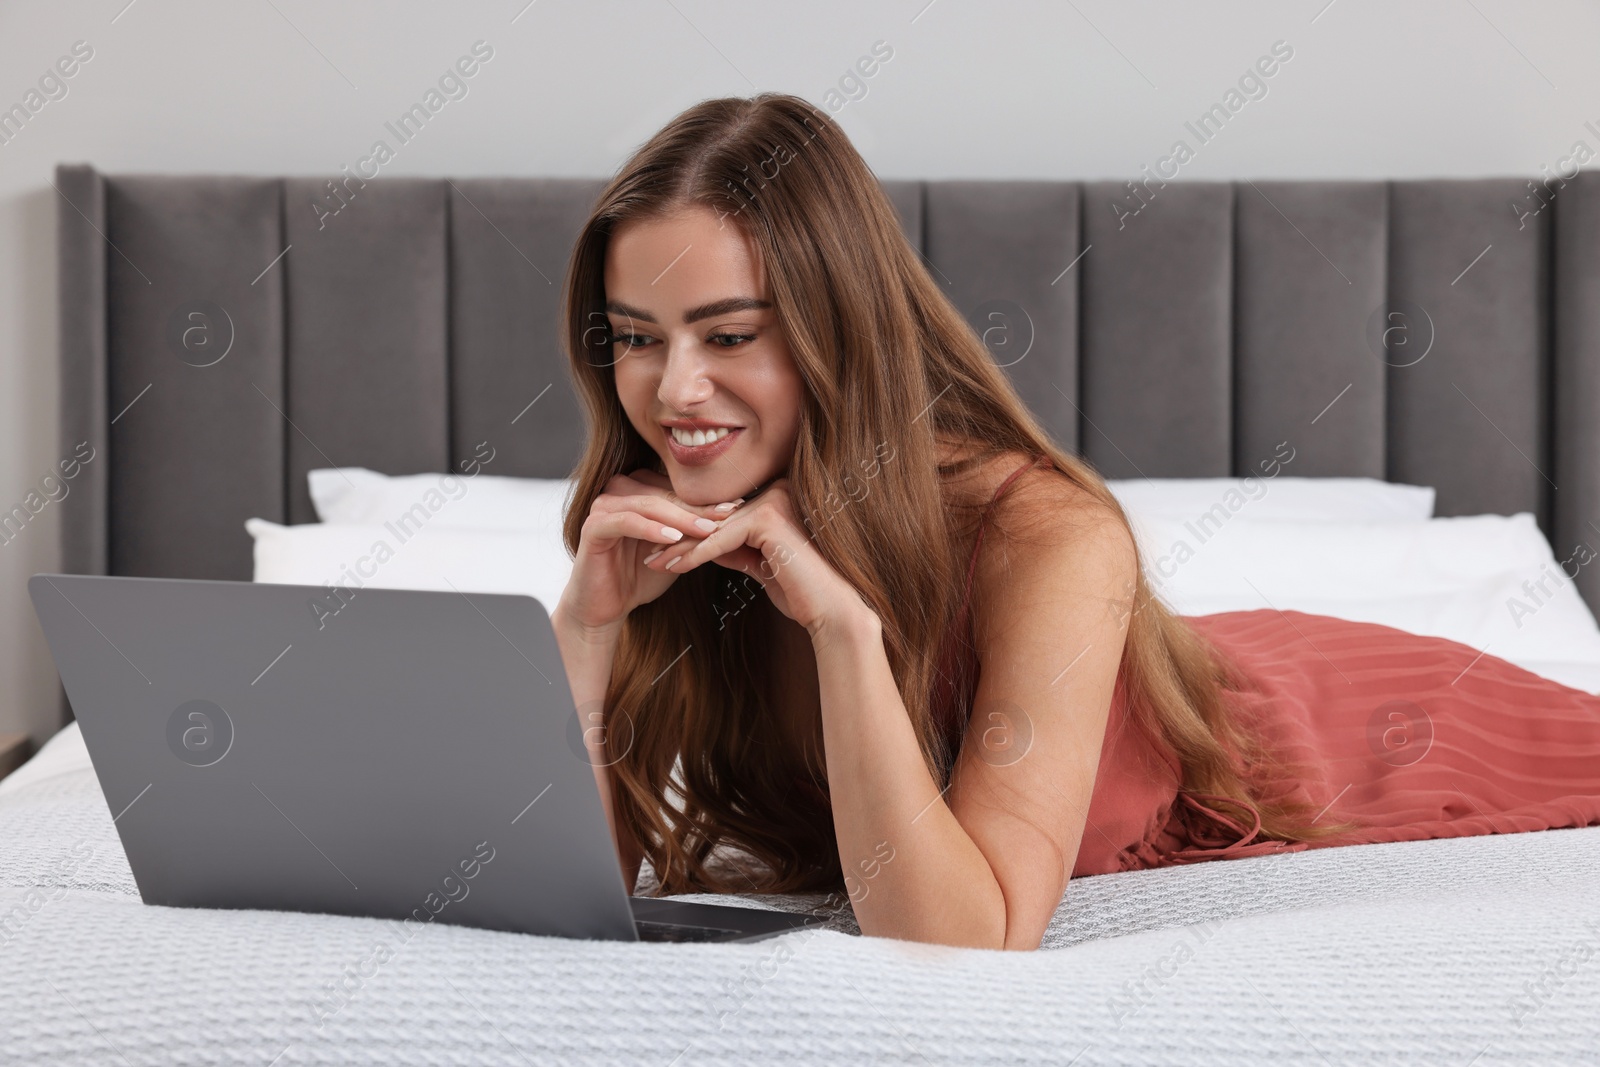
(703, 496)
(707, 488)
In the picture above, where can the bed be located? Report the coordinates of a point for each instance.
(416, 324)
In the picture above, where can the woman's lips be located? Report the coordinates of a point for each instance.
(698, 455)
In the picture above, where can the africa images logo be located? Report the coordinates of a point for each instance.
(199, 732)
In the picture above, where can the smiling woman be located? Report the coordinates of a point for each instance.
(945, 728)
(753, 354)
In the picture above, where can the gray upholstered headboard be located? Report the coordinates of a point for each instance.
(1441, 332)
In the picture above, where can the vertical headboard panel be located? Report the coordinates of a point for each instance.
(1305, 289)
(368, 380)
(84, 430)
(192, 442)
(1469, 415)
(1158, 330)
(509, 385)
(1575, 385)
(1003, 261)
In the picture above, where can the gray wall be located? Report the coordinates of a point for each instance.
(1098, 90)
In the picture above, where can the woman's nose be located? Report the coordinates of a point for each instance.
(683, 380)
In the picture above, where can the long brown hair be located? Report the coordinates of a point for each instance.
(701, 772)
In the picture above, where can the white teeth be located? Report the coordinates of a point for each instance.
(693, 438)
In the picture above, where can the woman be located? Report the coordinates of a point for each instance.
(851, 620)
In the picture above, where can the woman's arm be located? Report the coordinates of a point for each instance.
(588, 658)
(984, 864)
(911, 870)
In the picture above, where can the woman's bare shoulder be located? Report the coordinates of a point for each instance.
(1022, 498)
(1033, 494)
(976, 473)
(1044, 521)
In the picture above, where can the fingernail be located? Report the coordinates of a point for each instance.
(671, 563)
(730, 505)
(654, 554)
(676, 535)
(705, 524)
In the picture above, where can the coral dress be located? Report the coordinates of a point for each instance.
(1408, 736)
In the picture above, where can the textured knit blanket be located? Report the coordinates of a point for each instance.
(1465, 952)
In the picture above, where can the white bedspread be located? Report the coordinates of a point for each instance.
(1430, 952)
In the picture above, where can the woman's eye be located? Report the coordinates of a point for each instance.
(719, 340)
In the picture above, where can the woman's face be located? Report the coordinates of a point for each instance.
(698, 347)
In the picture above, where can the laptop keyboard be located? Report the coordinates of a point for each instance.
(654, 931)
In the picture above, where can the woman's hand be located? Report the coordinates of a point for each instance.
(766, 540)
(636, 515)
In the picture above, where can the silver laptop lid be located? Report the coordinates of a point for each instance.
(409, 754)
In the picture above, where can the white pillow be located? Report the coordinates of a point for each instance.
(1461, 578)
(1331, 499)
(433, 556)
(479, 501)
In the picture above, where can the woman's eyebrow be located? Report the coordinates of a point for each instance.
(704, 311)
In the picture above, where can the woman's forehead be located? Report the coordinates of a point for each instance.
(671, 263)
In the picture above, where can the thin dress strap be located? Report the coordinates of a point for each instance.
(946, 714)
(983, 521)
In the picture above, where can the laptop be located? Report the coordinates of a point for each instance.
(397, 754)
